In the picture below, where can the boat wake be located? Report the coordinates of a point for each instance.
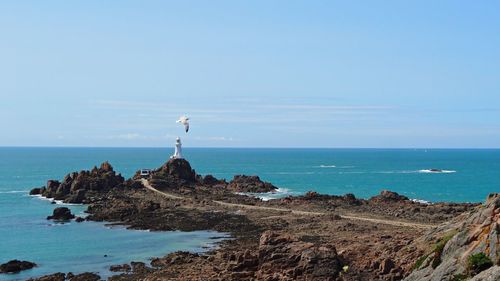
(436, 171)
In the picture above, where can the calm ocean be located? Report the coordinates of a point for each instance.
(468, 176)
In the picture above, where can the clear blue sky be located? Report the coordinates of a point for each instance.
(250, 73)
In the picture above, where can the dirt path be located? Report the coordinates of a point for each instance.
(296, 212)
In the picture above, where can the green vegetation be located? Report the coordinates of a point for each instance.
(420, 261)
(437, 251)
(459, 277)
(438, 248)
(478, 262)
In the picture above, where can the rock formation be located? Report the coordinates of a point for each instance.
(253, 184)
(80, 187)
(14, 266)
(284, 257)
(177, 173)
(463, 247)
(52, 277)
(86, 276)
(61, 214)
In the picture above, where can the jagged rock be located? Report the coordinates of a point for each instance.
(311, 194)
(174, 258)
(61, 214)
(287, 257)
(14, 266)
(87, 276)
(470, 233)
(350, 199)
(491, 274)
(211, 181)
(79, 219)
(120, 268)
(243, 183)
(177, 168)
(37, 191)
(52, 277)
(78, 187)
(387, 195)
(139, 267)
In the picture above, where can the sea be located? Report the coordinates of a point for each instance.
(427, 175)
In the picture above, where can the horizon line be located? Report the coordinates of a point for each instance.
(252, 147)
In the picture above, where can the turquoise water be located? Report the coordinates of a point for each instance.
(25, 234)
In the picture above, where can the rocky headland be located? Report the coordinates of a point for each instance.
(309, 237)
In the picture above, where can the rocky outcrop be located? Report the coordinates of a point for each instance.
(212, 181)
(120, 268)
(37, 191)
(491, 274)
(387, 195)
(284, 257)
(177, 168)
(87, 276)
(253, 184)
(175, 174)
(61, 214)
(463, 247)
(14, 266)
(80, 187)
(52, 277)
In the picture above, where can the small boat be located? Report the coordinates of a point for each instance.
(436, 170)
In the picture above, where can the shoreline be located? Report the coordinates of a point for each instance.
(190, 202)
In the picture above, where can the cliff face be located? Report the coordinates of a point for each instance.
(466, 247)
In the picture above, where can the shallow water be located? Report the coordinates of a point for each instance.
(468, 176)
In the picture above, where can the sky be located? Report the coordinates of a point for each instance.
(387, 74)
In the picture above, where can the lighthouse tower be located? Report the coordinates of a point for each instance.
(178, 150)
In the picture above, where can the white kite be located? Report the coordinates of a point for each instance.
(184, 121)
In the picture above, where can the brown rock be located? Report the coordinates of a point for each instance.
(52, 277)
(87, 276)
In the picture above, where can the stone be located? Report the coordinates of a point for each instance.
(15, 266)
(87, 276)
(253, 184)
(61, 214)
(52, 277)
(120, 268)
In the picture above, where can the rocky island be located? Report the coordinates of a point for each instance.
(309, 237)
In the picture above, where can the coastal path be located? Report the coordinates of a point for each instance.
(146, 184)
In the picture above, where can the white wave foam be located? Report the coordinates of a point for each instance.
(58, 202)
(14, 191)
(279, 193)
(421, 201)
(325, 166)
(432, 171)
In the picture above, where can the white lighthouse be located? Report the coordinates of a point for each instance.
(178, 150)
